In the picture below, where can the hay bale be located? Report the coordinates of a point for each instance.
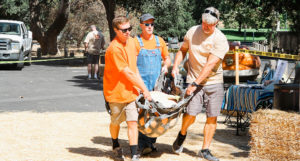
(275, 135)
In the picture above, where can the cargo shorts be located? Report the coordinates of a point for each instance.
(210, 96)
(123, 112)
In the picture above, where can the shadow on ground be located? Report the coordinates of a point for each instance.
(61, 62)
(94, 152)
(57, 62)
(163, 148)
(82, 81)
(8, 67)
(228, 136)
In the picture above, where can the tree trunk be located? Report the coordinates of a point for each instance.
(110, 6)
(48, 39)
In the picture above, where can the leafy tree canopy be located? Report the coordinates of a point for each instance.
(15, 9)
(173, 17)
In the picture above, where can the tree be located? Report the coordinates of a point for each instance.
(175, 24)
(45, 30)
(45, 18)
(233, 13)
(110, 6)
(83, 14)
(15, 9)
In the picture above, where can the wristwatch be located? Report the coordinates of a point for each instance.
(195, 84)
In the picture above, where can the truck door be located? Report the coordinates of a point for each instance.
(25, 37)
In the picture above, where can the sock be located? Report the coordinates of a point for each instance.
(89, 76)
(204, 150)
(115, 143)
(181, 138)
(95, 75)
(133, 149)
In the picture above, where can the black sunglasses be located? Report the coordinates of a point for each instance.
(125, 30)
(211, 13)
(149, 24)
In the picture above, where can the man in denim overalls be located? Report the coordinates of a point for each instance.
(152, 49)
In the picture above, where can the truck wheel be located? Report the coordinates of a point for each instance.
(19, 66)
(28, 59)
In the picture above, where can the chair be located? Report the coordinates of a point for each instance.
(242, 100)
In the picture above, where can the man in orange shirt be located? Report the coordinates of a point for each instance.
(121, 84)
(152, 50)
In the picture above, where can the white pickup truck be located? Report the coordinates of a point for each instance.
(15, 42)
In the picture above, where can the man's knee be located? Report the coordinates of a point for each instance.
(132, 124)
(188, 118)
(114, 125)
(211, 120)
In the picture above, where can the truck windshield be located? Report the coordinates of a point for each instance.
(9, 28)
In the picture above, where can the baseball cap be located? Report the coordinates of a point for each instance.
(146, 17)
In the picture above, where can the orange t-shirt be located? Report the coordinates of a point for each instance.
(151, 44)
(118, 56)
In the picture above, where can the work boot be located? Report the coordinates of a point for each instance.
(148, 150)
(206, 154)
(118, 151)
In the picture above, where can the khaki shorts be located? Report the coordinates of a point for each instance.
(210, 96)
(123, 112)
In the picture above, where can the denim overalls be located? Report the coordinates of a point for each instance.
(149, 63)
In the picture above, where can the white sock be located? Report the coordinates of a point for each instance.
(89, 76)
(95, 75)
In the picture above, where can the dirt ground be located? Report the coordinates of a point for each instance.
(70, 136)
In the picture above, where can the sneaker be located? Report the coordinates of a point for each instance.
(206, 154)
(95, 77)
(118, 151)
(135, 158)
(175, 147)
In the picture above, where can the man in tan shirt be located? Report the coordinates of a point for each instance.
(207, 46)
(93, 43)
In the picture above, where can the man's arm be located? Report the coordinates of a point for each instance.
(205, 72)
(167, 63)
(86, 41)
(85, 46)
(208, 67)
(180, 55)
(137, 81)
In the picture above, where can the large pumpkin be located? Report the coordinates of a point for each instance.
(246, 61)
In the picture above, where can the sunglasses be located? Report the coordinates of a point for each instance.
(149, 24)
(211, 13)
(125, 30)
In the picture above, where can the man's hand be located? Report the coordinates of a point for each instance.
(147, 95)
(191, 89)
(175, 71)
(164, 69)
